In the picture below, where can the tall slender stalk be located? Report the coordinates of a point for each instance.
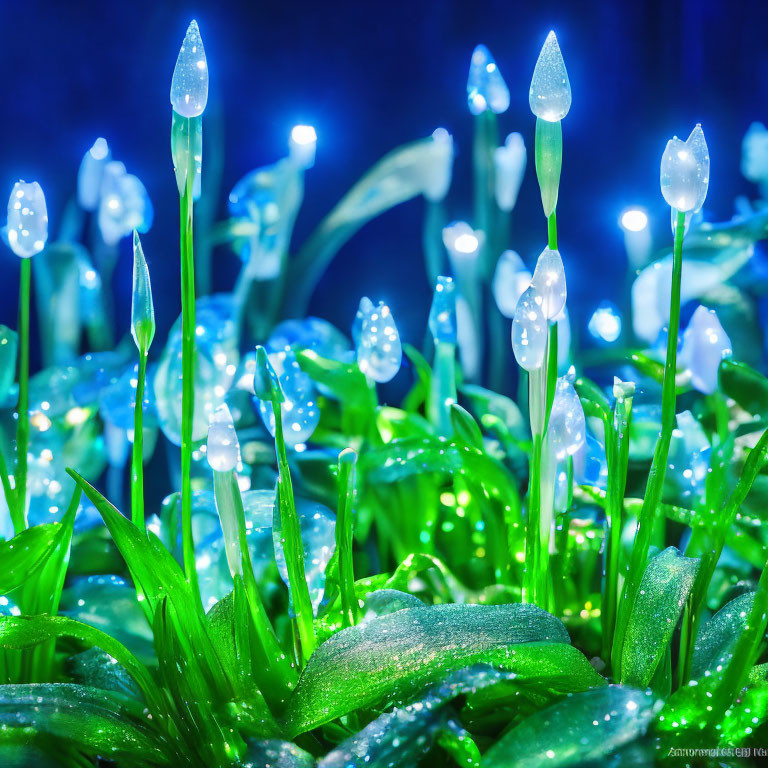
(655, 485)
(350, 609)
(443, 387)
(137, 457)
(617, 457)
(186, 143)
(22, 424)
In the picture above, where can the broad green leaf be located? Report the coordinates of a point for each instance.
(21, 632)
(465, 427)
(405, 458)
(396, 424)
(345, 381)
(97, 669)
(274, 753)
(25, 553)
(400, 737)
(394, 657)
(664, 588)
(35, 560)
(98, 722)
(745, 385)
(485, 401)
(580, 729)
(654, 369)
(717, 639)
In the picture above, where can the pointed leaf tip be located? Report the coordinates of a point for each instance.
(266, 385)
(142, 308)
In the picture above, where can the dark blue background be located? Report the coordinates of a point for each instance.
(369, 76)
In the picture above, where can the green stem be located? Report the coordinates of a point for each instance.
(350, 609)
(270, 667)
(186, 224)
(655, 485)
(22, 425)
(547, 475)
(8, 492)
(486, 141)
(552, 231)
(443, 393)
(532, 531)
(293, 547)
(617, 456)
(137, 459)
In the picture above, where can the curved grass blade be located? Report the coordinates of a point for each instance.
(97, 722)
(22, 632)
(663, 590)
(402, 736)
(583, 728)
(396, 656)
(718, 637)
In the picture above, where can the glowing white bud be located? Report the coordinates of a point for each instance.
(509, 161)
(685, 172)
(90, 174)
(510, 280)
(189, 86)
(549, 282)
(605, 323)
(567, 426)
(379, 350)
(437, 173)
(529, 331)
(223, 452)
(705, 344)
(442, 314)
(550, 94)
(754, 153)
(462, 243)
(27, 219)
(303, 145)
(486, 88)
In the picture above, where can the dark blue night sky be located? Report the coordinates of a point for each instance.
(369, 76)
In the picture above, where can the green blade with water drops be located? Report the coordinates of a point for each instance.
(583, 728)
(395, 657)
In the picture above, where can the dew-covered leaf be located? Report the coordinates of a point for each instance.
(465, 428)
(664, 588)
(400, 737)
(98, 722)
(581, 728)
(97, 669)
(22, 632)
(274, 753)
(406, 458)
(718, 636)
(748, 387)
(394, 657)
(382, 602)
(345, 381)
